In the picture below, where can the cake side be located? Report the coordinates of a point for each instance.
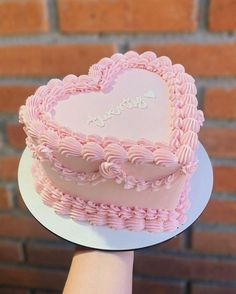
(114, 216)
(107, 191)
(114, 187)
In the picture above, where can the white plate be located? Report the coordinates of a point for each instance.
(102, 237)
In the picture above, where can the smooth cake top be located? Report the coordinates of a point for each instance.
(135, 104)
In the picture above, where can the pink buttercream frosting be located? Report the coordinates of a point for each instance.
(115, 153)
(185, 116)
(92, 151)
(107, 170)
(164, 157)
(117, 217)
(69, 146)
(138, 154)
(50, 142)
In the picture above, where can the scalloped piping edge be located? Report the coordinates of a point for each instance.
(100, 74)
(116, 217)
(96, 177)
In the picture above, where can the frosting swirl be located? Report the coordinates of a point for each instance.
(92, 151)
(109, 170)
(115, 153)
(190, 138)
(184, 154)
(138, 154)
(191, 124)
(164, 157)
(50, 139)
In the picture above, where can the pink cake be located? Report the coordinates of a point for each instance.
(116, 147)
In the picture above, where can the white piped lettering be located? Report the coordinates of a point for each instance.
(127, 103)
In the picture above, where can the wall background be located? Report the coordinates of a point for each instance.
(43, 39)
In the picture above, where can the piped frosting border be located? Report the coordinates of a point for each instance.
(106, 171)
(185, 122)
(116, 217)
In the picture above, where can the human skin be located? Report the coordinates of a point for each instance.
(96, 271)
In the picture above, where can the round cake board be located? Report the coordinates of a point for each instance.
(105, 238)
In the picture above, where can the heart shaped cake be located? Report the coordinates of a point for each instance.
(116, 147)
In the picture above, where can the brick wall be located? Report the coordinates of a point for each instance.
(42, 39)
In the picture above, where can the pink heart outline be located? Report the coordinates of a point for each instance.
(181, 87)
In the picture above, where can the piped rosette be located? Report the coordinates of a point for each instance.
(122, 166)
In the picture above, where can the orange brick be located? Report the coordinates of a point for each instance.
(5, 200)
(187, 267)
(28, 16)
(217, 59)
(127, 16)
(51, 60)
(23, 227)
(16, 135)
(214, 242)
(14, 291)
(219, 212)
(54, 255)
(9, 166)
(173, 243)
(224, 179)
(32, 277)
(219, 142)
(222, 15)
(211, 289)
(141, 286)
(220, 103)
(13, 96)
(10, 251)
(20, 202)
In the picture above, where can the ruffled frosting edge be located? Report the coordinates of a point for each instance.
(106, 171)
(114, 216)
(185, 118)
